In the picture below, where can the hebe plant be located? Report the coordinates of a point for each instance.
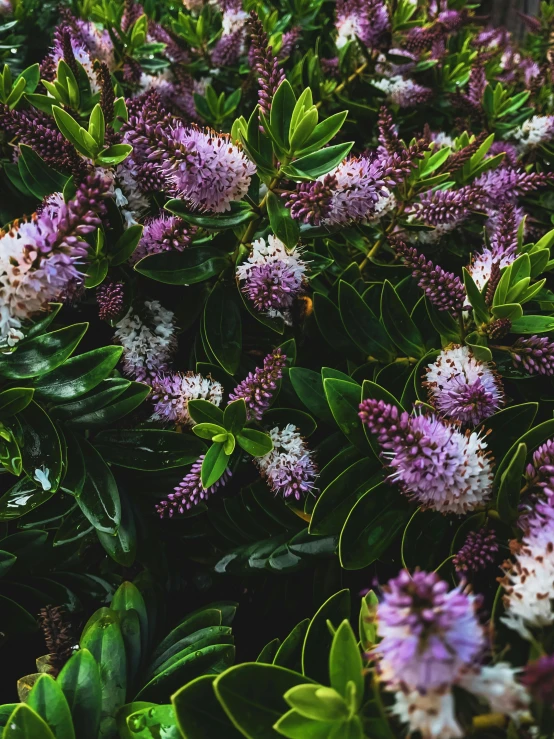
(276, 325)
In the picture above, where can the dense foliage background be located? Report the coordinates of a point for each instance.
(276, 360)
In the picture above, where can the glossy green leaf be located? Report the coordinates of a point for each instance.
(80, 682)
(234, 417)
(154, 723)
(123, 404)
(214, 465)
(511, 482)
(398, 324)
(295, 726)
(114, 154)
(223, 327)
(102, 637)
(533, 325)
(199, 714)
(149, 449)
(126, 244)
(363, 327)
(14, 400)
(24, 723)
(320, 162)
(122, 547)
(315, 651)
(22, 498)
(344, 399)
(42, 354)
(41, 449)
(252, 696)
(345, 662)
(99, 498)
(38, 176)
(255, 442)
(48, 700)
(187, 267)
(78, 375)
(218, 222)
(308, 385)
(281, 222)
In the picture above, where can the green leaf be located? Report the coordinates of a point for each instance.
(282, 107)
(282, 224)
(533, 325)
(114, 154)
(532, 439)
(7, 561)
(199, 713)
(153, 722)
(148, 449)
(363, 327)
(223, 327)
(48, 700)
(506, 426)
(329, 322)
(208, 430)
(202, 411)
(323, 133)
(214, 465)
(371, 527)
(79, 680)
(104, 394)
(320, 162)
(38, 176)
(509, 491)
(345, 662)
(14, 400)
(99, 498)
(252, 696)
(256, 443)
(96, 271)
(22, 498)
(78, 375)
(97, 125)
(15, 619)
(308, 385)
(344, 398)
(74, 133)
(122, 547)
(237, 217)
(398, 324)
(476, 299)
(125, 402)
(42, 354)
(317, 702)
(318, 641)
(40, 448)
(234, 417)
(126, 244)
(24, 723)
(102, 637)
(192, 265)
(295, 726)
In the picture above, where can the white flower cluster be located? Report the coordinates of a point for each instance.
(147, 346)
(534, 131)
(128, 196)
(173, 392)
(288, 467)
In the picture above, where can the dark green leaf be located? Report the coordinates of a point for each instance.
(78, 375)
(281, 222)
(41, 448)
(194, 264)
(398, 324)
(41, 179)
(79, 680)
(199, 713)
(344, 399)
(237, 217)
(533, 325)
(48, 700)
(365, 330)
(317, 644)
(509, 490)
(149, 449)
(308, 385)
(202, 411)
(14, 400)
(125, 402)
(126, 244)
(320, 162)
(24, 723)
(99, 498)
(234, 417)
(255, 442)
(223, 327)
(36, 356)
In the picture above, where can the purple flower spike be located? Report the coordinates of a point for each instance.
(462, 388)
(165, 233)
(109, 297)
(257, 389)
(288, 468)
(429, 634)
(479, 551)
(189, 492)
(266, 64)
(535, 354)
(311, 201)
(540, 472)
(445, 207)
(433, 462)
(444, 289)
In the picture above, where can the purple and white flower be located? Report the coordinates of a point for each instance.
(431, 459)
(172, 392)
(189, 492)
(289, 468)
(462, 388)
(258, 388)
(272, 277)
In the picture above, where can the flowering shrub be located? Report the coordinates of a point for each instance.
(276, 327)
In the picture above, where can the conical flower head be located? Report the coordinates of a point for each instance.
(429, 633)
(432, 461)
(462, 388)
